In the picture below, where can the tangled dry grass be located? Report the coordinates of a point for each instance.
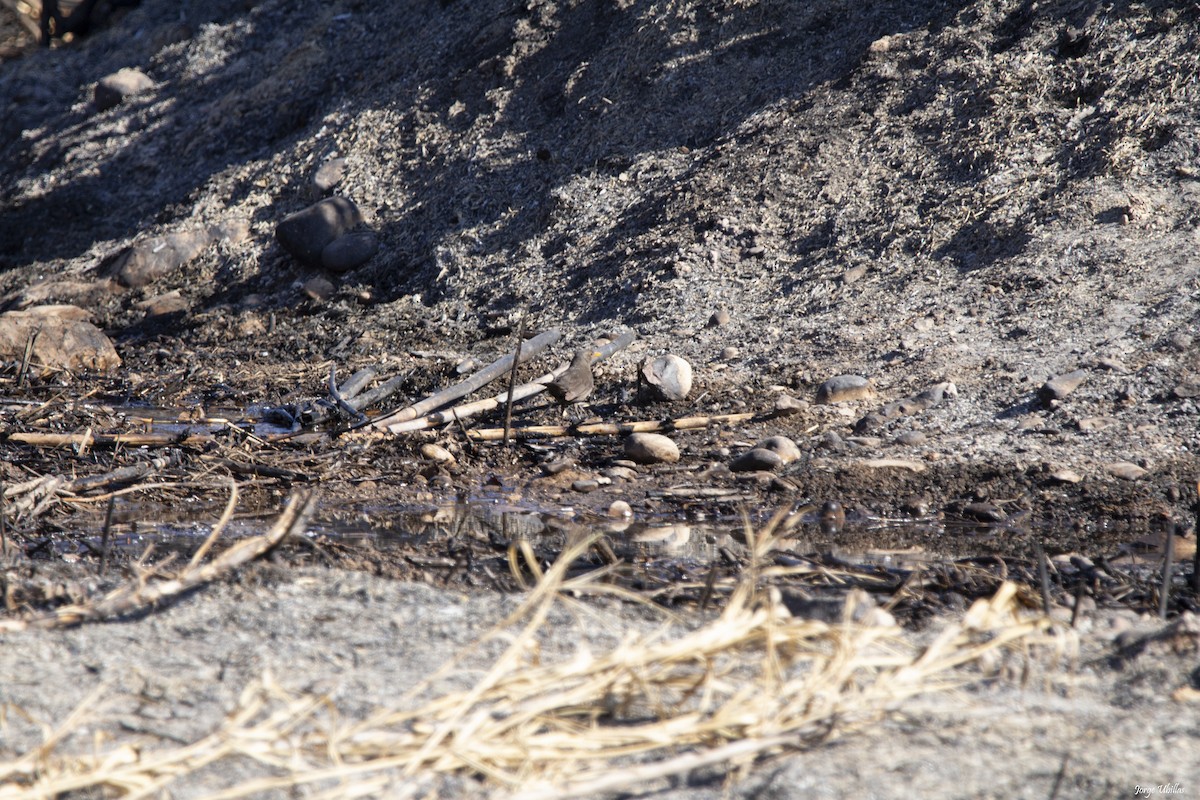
(748, 683)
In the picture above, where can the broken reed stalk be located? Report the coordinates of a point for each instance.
(491, 372)
(1167, 567)
(106, 532)
(614, 428)
(512, 380)
(749, 683)
(140, 593)
(524, 391)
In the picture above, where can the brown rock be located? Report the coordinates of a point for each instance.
(61, 342)
(651, 448)
(1058, 388)
(758, 459)
(782, 446)
(1125, 470)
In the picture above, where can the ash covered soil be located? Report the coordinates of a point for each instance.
(988, 194)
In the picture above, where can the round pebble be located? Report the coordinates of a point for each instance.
(112, 89)
(1125, 470)
(756, 460)
(784, 447)
(620, 509)
(1058, 388)
(911, 438)
(667, 377)
(843, 389)
(347, 252)
(651, 448)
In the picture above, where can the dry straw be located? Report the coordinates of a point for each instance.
(752, 682)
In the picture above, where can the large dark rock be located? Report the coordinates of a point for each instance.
(307, 233)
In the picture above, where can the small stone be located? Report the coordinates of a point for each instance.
(1065, 476)
(830, 440)
(1125, 470)
(911, 438)
(1185, 391)
(112, 90)
(620, 474)
(1058, 388)
(651, 448)
(163, 304)
(756, 460)
(347, 252)
(853, 275)
(786, 405)
(1110, 364)
(305, 234)
(720, 317)
(781, 445)
(916, 505)
(318, 288)
(585, 485)
(63, 341)
(833, 517)
(437, 453)
(556, 466)
(619, 510)
(1088, 424)
(983, 512)
(843, 389)
(329, 175)
(667, 377)
(730, 353)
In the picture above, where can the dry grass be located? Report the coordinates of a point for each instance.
(751, 682)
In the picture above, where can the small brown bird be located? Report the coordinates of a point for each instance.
(576, 384)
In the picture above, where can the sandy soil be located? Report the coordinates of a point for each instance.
(984, 193)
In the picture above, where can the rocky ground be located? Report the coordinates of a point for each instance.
(977, 195)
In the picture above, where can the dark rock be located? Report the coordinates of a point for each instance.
(347, 252)
(111, 90)
(756, 460)
(307, 233)
(983, 512)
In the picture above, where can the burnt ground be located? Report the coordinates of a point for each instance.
(984, 193)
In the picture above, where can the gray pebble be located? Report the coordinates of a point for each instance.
(347, 252)
(786, 405)
(720, 317)
(585, 485)
(757, 459)
(111, 90)
(911, 438)
(620, 473)
(329, 175)
(306, 233)
(651, 448)
(844, 388)
(830, 440)
(784, 447)
(1061, 386)
(730, 353)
